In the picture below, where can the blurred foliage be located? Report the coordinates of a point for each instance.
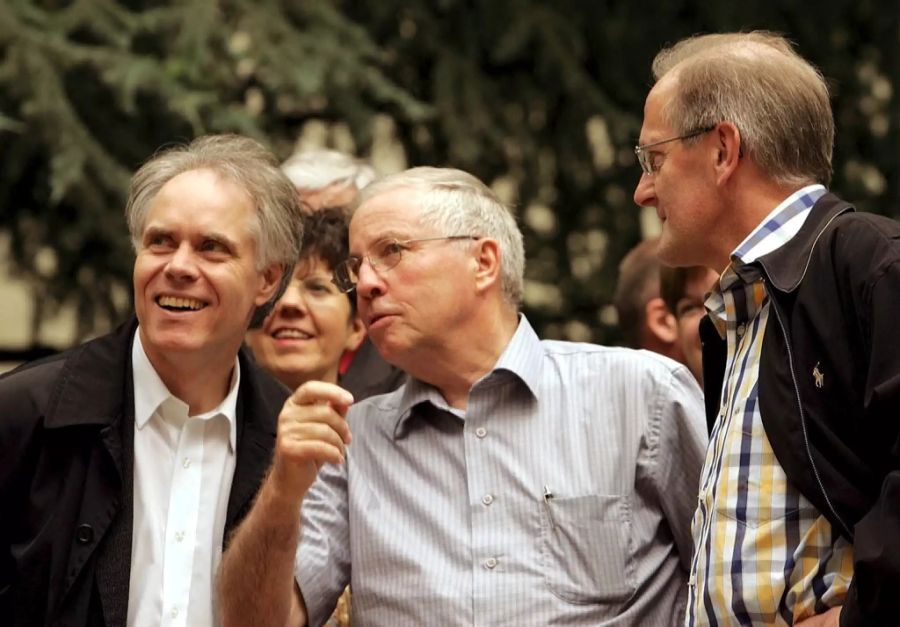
(541, 99)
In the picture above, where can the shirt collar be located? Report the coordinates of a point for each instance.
(775, 230)
(150, 393)
(779, 226)
(521, 360)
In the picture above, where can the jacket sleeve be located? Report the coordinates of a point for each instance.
(873, 598)
(19, 420)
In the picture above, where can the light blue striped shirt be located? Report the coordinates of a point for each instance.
(562, 495)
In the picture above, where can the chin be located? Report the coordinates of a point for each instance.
(675, 254)
(302, 373)
(386, 349)
(169, 343)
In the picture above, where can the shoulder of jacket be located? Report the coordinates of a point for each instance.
(32, 380)
(866, 224)
(865, 241)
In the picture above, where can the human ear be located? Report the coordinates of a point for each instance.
(487, 263)
(729, 150)
(661, 321)
(356, 334)
(268, 283)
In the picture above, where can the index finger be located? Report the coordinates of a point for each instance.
(319, 392)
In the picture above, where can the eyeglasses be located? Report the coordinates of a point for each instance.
(386, 255)
(651, 166)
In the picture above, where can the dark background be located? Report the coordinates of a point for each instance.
(542, 99)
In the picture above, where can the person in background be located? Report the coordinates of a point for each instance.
(327, 178)
(509, 481)
(644, 319)
(797, 519)
(332, 179)
(683, 291)
(313, 323)
(126, 461)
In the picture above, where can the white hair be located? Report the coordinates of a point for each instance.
(457, 203)
(313, 170)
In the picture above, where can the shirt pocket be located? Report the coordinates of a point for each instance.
(760, 497)
(586, 548)
(773, 519)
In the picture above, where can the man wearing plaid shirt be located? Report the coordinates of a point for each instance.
(797, 519)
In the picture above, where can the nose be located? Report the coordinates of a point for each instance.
(293, 301)
(644, 193)
(182, 265)
(368, 282)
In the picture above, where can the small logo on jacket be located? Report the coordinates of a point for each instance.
(819, 376)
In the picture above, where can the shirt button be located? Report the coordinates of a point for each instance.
(487, 499)
(481, 432)
(741, 329)
(179, 536)
(490, 563)
(174, 612)
(186, 462)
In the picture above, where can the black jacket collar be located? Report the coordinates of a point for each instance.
(786, 265)
(92, 390)
(92, 383)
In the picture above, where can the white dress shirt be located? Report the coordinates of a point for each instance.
(183, 467)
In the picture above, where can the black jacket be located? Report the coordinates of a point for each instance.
(66, 439)
(829, 387)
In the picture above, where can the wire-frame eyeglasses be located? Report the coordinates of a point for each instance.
(648, 165)
(386, 255)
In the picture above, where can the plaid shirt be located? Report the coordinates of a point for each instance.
(763, 554)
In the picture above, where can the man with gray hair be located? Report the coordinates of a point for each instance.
(327, 178)
(797, 511)
(125, 462)
(509, 481)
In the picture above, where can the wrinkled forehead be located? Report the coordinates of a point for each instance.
(393, 214)
(203, 196)
(658, 99)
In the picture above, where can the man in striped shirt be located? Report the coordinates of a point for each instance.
(510, 481)
(797, 519)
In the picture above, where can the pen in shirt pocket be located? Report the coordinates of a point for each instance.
(548, 494)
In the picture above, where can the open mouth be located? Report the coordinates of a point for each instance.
(291, 334)
(178, 303)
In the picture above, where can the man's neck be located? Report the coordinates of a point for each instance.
(751, 204)
(201, 382)
(456, 368)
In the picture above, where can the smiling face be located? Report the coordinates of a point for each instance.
(309, 329)
(683, 189)
(415, 311)
(196, 282)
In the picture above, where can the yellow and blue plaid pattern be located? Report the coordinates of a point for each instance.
(763, 555)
